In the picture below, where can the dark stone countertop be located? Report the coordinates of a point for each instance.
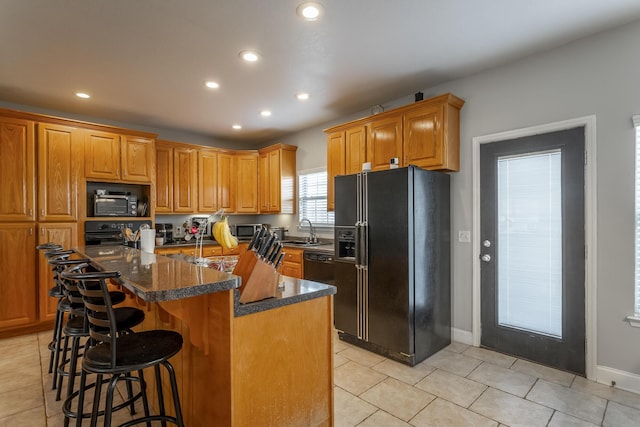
(156, 278)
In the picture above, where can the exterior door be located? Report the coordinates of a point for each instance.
(533, 248)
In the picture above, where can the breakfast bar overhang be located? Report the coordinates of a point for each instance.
(267, 363)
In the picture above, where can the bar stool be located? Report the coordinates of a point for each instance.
(54, 292)
(121, 356)
(77, 328)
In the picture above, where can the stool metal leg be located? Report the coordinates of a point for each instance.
(96, 401)
(174, 392)
(156, 368)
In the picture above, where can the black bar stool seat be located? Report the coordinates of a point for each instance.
(121, 356)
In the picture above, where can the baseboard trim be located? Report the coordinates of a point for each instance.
(623, 380)
(461, 336)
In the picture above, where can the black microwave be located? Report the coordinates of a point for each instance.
(115, 205)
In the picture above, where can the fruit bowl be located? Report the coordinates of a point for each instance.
(223, 263)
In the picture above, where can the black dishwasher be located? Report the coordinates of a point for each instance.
(318, 266)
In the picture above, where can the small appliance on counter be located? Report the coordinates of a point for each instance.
(245, 231)
(165, 231)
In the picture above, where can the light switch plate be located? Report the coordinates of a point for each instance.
(464, 236)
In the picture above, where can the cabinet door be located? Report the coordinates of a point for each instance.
(137, 159)
(207, 180)
(66, 235)
(385, 142)
(164, 178)
(17, 170)
(226, 182)
(263, 182)
(102, 155)
(18, 271)
(274, 180)
(185, 180)
(247, 194)
(335, 163)
(59, 153)
(423, 140)
(355, 149)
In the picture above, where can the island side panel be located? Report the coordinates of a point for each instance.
(283, 366)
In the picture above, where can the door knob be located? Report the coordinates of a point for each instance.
(486, 257)
(486, 243)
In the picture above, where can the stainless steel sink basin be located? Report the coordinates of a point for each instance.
(300, 243)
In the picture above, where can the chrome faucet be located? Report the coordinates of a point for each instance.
(313, 237)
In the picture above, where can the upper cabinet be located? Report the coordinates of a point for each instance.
(226, 182)
(164, 177)
(176, 178)
(59, 165)
(432, 136)
(137, 158)
(277, 178)
(247, 175)
(207, 180)
(425, 134)
(335, 163)
(114, 157)
(384, 142)
(17, 171)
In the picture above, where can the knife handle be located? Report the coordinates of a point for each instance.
(280, 258)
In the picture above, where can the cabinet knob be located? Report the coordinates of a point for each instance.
(42, 212)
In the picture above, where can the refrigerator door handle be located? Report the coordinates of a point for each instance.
(357, 243)
(363, 244)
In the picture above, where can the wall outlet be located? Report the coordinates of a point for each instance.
(464, 236)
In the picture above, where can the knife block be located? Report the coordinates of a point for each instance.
(259, 279)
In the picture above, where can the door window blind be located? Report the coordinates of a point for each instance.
(636, 123)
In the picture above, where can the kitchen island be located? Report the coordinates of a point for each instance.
(269, 362)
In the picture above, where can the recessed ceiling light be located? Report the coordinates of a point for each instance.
(265, 113)
(249, 55)
(237, 127)
(302, 96)
(309, 11)
(83, 95)
(211, 84)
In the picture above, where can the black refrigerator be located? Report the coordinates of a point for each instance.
(392, 263)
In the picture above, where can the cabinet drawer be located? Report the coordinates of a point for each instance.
(292, 255)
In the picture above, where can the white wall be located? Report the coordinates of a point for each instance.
(597, 75)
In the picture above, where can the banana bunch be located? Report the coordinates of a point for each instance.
(222, 234)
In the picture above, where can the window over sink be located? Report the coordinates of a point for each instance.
(312, 197)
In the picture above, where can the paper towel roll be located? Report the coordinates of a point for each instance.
(148, 240)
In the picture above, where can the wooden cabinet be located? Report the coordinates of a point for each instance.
(66, 235)
(164, 177)
(355, 149)
(425, 134)
(18, 271)
(335, 163)
(247, 175)
(102, 155)
(185, 180)
(226, 182)
(17, 170)
(207, 180)
(59, 163)
(432, 135)
(277, 179)
(207, 251)
(111, 156)
(137, 158)
(292, 264)
(384, 141)
(176, 178)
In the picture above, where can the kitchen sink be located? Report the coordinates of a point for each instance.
(301, 243)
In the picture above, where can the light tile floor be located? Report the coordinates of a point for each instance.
(459, 386)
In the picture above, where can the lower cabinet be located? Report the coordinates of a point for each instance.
(66, 235)
(18, 301)
(292, 265)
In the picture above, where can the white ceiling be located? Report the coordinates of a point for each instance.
(146, 61)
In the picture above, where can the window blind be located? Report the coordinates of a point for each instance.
(636, 123)
(312, 198)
